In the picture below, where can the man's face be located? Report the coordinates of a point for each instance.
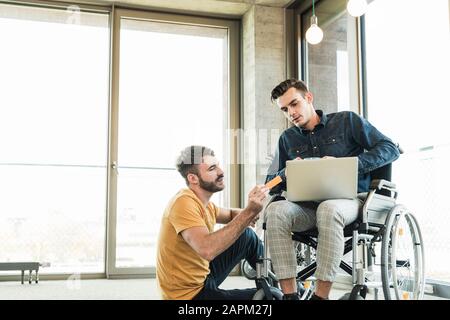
(211, 177)
(297, 109)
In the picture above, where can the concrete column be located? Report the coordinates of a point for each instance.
(264, 66)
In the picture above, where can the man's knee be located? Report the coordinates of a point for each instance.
(328, 214)
(276, 216)
(249, 238)
(249, 235)
(250, 243)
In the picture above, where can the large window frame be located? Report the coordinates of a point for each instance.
(437, 287)
(70, 7)
(115, 14)
(297, 48)
(233, 119)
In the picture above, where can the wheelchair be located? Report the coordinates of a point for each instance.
(266, 280)
(386, 244)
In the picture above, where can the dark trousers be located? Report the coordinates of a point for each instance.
(248, 246)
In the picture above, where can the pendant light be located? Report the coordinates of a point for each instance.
(357, 8)
(314, 34)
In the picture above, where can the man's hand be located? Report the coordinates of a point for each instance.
(256, 199)
(254, 221)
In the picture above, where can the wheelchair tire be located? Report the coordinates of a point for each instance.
(247, 270)
(402, 257)
(276, 294)
(358, 292)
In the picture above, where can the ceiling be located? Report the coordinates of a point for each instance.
(233, 8)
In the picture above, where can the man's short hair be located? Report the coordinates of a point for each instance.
(189, 159)
(284, 86)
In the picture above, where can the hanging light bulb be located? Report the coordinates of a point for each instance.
(357, 8)
(314, 34)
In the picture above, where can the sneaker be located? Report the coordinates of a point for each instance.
(291, 296)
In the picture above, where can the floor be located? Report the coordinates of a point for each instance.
(102, 289)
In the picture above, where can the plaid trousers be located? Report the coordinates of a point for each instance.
(330, 217)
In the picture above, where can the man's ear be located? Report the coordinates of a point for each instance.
(192, 178)
(309, 97)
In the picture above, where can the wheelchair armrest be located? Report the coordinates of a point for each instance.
(364, 213)
(376, 204)
(272, 198)
(382, 184)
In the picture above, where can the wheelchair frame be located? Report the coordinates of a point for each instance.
(364, 234)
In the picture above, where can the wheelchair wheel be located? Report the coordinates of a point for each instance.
(247, 270)
(358, 292)
(304, 255)
(276, 294)
(402, 257)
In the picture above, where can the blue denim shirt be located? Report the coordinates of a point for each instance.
(341, 134)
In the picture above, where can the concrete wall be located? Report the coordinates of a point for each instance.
(264, 66)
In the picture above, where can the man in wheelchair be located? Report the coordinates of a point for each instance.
(315, 134)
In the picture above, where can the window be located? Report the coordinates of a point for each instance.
(53, 129)
(173, 93)
(331, 65)
(408, 72)
(61, 174)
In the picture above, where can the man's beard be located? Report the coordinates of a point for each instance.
(210, 186)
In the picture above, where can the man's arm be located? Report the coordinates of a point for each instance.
(380, 149)
(210, 245)
(227, 214)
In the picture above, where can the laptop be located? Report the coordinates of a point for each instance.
(322, 179)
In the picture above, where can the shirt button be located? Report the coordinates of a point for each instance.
(315, 147)
(312, 132)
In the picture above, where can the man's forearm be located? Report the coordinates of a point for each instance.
(383, 153)
(234, 213)
(220, 240)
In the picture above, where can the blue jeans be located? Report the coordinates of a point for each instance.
(248, 246)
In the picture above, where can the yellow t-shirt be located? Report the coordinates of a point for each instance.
(180, 271)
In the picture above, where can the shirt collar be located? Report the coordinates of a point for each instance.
(321, 124)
